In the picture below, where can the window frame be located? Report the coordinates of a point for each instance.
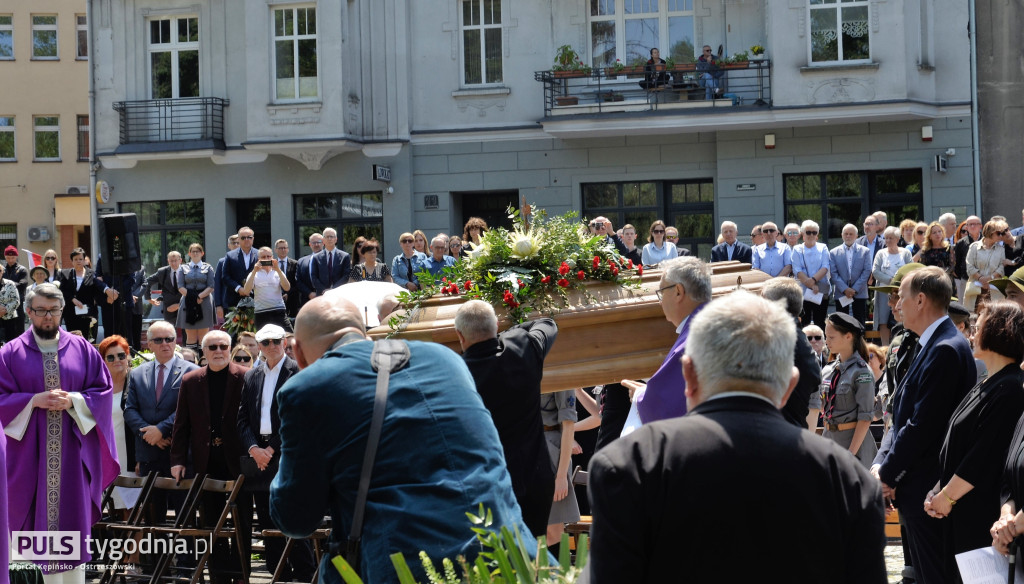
(482, 27)
(294, 39)
(83, 137)
(174, 47)
(619, 18)
(336, 201)
(35, 138)
(838, 6)
(81, 26)
(9, 29)
(52, 28)
(164, 229)
(7, 229)
(5, 129)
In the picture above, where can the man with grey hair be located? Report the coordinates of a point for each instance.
(882, 219)
(771, 257)
(438, 260)
(507, 369)
(788, 293)
(948, 223)
(730, 248)
(739, 369)
(684, 289)
(850, 266)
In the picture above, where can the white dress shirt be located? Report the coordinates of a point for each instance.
(269, 383)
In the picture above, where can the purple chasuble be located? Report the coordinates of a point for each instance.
(87, 463)
(665, 396)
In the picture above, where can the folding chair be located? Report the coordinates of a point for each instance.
(579, 477)
(221, 530)
(316, 537)
(113, 520)
(184, 519)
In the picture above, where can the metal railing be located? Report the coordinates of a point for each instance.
(631, 89)
(171, 120)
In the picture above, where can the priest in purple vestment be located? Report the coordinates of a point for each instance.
(5, 536)
(55, 408)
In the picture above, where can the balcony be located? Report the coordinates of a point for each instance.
(171, 125)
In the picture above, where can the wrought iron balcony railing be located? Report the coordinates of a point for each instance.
(185, 119)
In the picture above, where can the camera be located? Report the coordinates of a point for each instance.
(266, 262)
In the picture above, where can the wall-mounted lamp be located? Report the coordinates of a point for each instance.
(926, 133)
(769, 141)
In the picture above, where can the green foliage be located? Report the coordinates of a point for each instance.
(529, 269)
(739, 57)
(567, 59)
(757, 50)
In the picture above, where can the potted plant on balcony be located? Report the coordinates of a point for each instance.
(616, 69)
(740, 60)
(757, 53)
(568, 63)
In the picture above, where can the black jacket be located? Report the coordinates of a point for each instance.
(249, 411)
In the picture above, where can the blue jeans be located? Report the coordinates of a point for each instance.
(710, 85)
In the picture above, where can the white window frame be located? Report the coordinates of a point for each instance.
(838, 6)
(663, 14)
(9, 29)
(294, 38)
(45, 28)
(174, 47)
(482, 27)
(81, 26)
(36, 130)
(9, 129)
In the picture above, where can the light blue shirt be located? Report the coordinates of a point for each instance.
(653, 255)
(772, 260)
(810, 259)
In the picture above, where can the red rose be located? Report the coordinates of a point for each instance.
(629, 264)
(581, 275)
(615, 271)
(545, 280)
(597, 262)
(563, 269)
(520, 282)
(640, 271)
(467, 285)
(563, 283)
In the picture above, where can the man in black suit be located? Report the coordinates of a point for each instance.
(304, 269)
(218, 278)
(647, 487)
(331, 267)
(797, 407)
(237, 265)
(289, 268)
(259, 437)
(165, 280)
(871, 238)
(731, 249)
(941, 374)
(507, 369)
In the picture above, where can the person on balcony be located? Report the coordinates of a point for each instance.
(655, 71)
(710, 73)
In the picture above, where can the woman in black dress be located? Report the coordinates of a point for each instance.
(967, 495)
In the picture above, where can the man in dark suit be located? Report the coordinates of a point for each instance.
(237, 265)
(672, 236)
(689, 471)
(806, 362)
(258, 433)
(731, 249)
(206, 425)
(871, 238)
(149, 411)
(218, 284)
(507, 369)
(941, 374)
(331, 267)
(289, 268)
(166, 281)
(973, 225)
(851, 268)
(304, 269)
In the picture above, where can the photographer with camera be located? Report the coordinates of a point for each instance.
(270, 283)
(602, 226)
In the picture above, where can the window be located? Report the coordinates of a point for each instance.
(174, 57)
(834, 199)
(83, 138)
(351, 214)
(839, 32)
(8, 234)
(8, 153)
(687, 205)
(6, 36)
(82, 36)
(481, 41)
(44, 36)
(628, 29)
(47, 134)
(166, 226)
(295, 66)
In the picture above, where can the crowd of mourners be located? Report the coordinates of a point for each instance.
(915, 329)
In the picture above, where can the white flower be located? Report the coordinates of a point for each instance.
(524, 245)
(477, 251)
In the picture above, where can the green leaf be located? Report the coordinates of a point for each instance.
(402, 569)
(564, 557)
(347, 573)
(582, 550)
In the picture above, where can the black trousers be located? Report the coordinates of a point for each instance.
(860, 311)
(12, 328)
(925, 542)
(300, 564)
(814, 313)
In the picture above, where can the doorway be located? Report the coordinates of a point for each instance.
(491, 206)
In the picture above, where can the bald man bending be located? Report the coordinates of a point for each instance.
(438, 457)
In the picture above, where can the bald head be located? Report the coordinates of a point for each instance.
(320, 323)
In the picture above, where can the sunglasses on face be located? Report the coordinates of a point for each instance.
(242, 359)
(1002, 233)
(671, 236)
(920, 232)
(245, 237)
(814, 337)
(116, 357)
(810, 232)
(406, 241)
(792, 233)
(161, 340)
(218, 347)
(51, 258)
(266, 342)
(657, 231)
(763, 230)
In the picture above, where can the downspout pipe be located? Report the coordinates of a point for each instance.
(94, 236)
(972, 28)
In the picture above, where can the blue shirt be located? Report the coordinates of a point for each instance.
(400, 271)
(435, 267)
(810, 259)
(772, 260)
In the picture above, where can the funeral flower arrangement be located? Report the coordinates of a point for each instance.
(531, 268)
(241, 318)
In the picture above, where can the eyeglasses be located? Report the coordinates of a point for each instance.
(245, 237)
(920, 232)
(115, 357)
(707, 50)
(1002, 233)
(266, 342)
(405, 241)
(218, 347)
(242, 359)
(667, 236)
(792, 233)
(763, 230)
(330, 237)
(51, 258)
(660, 290)
(161, 340)
(810, 232)
(657, 231)
(814, 337)
(54, 312)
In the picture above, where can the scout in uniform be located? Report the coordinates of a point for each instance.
(848, 389)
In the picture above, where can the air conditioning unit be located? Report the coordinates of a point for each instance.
(39, 233)
(77, 190)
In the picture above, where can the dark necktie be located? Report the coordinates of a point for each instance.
(830, 399)
(159, 381)
(330, 264)
(174, 283)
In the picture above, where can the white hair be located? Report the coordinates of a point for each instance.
(728, 224)
(742, 338)
(692, 273)
(476, 321)
(893, 231)
(213, 334)
(947, 217)
(810, 224)
(813, 329)
(164, 325)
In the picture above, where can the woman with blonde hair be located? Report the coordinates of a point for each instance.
(420, 242)
(984, 264)
(936, 250)
(907, 227)
(51, 261)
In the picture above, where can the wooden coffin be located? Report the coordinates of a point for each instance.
(620, 334)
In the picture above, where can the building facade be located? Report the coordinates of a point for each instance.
(44, 126)
(216, 115)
